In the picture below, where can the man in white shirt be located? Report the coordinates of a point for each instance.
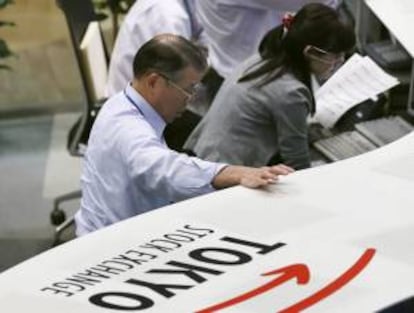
(234, 28)
(128, 169)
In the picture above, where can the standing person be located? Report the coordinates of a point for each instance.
(261, 110)
(128, 169)
(234, 28)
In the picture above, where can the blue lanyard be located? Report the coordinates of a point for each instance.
(133, 102)
(140, 111)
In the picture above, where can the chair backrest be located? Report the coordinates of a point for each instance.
(79, 14)
(94, 62)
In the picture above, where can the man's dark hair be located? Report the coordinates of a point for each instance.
(168, 54)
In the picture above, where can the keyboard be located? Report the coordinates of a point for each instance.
(384, 130)
(344, 145)
(368, 136)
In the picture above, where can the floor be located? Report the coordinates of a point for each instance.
(35, 168)
(37, 99)
(44, 77)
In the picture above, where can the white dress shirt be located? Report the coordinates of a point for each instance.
(234, 28)
(129, 170)
(145, 19)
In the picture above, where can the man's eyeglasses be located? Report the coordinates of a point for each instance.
(189, 94)
(325, 56)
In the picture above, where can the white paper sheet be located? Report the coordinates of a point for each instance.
(359, 79)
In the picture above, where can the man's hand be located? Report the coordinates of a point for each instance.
(263, 176)
(249, 176)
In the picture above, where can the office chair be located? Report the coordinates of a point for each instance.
(80, 15)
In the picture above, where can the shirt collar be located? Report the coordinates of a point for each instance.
(146, 109)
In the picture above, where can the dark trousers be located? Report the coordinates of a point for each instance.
(176, 133)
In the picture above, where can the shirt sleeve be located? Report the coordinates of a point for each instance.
(175, 176)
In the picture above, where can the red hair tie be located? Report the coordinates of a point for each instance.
(287, 20)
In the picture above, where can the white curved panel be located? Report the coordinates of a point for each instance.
(338, 238)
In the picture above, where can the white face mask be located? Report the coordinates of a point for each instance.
(323, 63)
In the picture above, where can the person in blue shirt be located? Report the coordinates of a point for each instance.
(128, 169)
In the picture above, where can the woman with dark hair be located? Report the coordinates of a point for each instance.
(260, 111)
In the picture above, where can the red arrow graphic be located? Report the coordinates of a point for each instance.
(332, 287)
(301, 272)
(298, 271)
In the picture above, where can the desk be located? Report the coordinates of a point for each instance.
(348, 225)
(398, 17)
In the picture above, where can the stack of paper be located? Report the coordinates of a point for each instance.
(358, 80)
